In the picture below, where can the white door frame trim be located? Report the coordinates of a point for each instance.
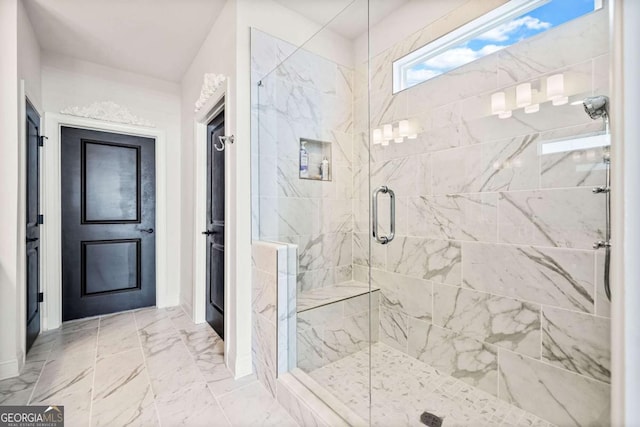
(216, 103)
(51, 237)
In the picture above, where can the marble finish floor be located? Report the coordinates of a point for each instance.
(151, 367)
(403, 388)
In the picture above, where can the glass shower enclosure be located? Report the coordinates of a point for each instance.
(430, 166)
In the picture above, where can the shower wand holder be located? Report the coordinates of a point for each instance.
(601, 244)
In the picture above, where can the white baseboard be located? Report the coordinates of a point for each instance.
(242, 366)
(9, 369)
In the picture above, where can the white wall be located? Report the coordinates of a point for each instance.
(71, 82)
(8, 187)
(29, 58)
(217, 55)
(29, 73)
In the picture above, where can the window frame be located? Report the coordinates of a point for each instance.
(464, 33)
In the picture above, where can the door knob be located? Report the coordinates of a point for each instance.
(32, 239)
(147, 230)
(208, 233)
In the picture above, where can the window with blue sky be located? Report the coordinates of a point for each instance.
(465, 45)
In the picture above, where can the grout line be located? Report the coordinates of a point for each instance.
(33, 391)
(146, 368)
(93, 381)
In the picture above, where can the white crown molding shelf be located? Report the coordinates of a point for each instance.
(210, 85)
(107, 111)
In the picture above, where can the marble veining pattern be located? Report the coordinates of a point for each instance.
(104, 383)
(504, 322)
(403, 387)
(577, 342)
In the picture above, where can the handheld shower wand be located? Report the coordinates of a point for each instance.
(597, 107)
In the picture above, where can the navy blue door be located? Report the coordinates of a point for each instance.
(215, 225)
(33, 229)
(108, 221)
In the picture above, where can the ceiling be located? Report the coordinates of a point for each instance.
(352, 20)
(158, 38)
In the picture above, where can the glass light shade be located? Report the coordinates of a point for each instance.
(498, 103)
(505, 114)
(555, 86)
(413, 136)
(387, 132)
(377, 136)
(523, 95)
(532, 108)
(403, 128)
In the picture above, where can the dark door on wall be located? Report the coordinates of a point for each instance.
(33, 222)
(215, 225)
(108, 220)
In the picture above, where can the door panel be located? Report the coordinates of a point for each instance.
(215, 225)
(108, 220)
(111, 183)
(32, 226)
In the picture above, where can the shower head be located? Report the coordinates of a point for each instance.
(596, 106)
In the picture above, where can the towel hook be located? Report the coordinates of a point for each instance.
(223, 142)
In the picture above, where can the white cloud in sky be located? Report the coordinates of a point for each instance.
(459, 56)
(421, 75)
(501, 33)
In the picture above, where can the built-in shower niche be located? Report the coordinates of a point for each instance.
(318, 160)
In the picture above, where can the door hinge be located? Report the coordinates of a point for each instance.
(40, 219)
(40, 296)
(41, 139)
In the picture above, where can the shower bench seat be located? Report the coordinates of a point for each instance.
(332, 294)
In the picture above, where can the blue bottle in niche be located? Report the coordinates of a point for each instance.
(304, 161)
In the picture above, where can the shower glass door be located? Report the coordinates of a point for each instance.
(431, 170)
(492, 308)
(311, 192)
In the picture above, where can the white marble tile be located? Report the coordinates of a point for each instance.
(324, 251)
(500, 321)
(403, 387)
(346, 335)
(265, 348)
(571, 218)
(122, 394)
(393, 329)
(153, 321)
(476, 77)
(17, 390)
(510, 164)
(67, 380)
(118, 333)
(265, 411)
(573, 42)
(577, 342)
(404, 294)
(193, 406)
(263, 296)
(289, 217)
(455, 216)
(462, 357)
(323, 296)
(457, 170)
(297, 409)
(436, 260)
(305, 68)
(82, 341)
(80, 324)
(558, 277)
(365, 252)
(170, 365)
(562, 397)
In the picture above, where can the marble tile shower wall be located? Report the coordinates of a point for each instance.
(306, 96)
(491, 277)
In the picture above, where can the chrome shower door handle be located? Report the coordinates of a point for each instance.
(383, 240)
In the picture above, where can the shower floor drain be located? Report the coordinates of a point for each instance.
(430, 420)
